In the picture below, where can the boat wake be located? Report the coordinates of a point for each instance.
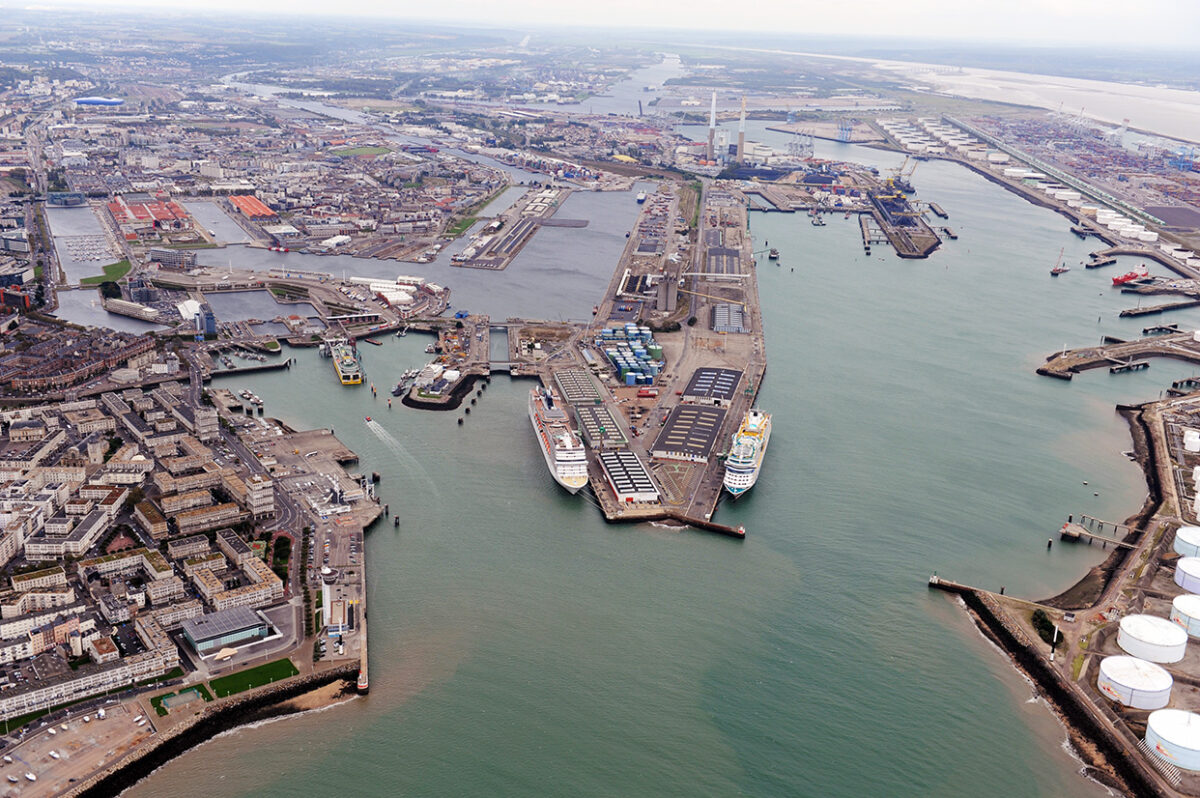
(406, 459)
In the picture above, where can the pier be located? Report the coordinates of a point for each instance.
(906, 231)
(775, 199)
(871, 233)
(1122, 356)
(1077, 532)
(1151, 310)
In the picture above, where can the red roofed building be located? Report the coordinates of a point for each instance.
(251, 206)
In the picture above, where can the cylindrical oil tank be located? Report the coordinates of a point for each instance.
(1174, 736)
(1152, 638)
(1135, 682)
(1187, 541)
(1187, 574)
(1185, 611)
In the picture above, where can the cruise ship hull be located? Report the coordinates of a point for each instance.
(570, 482)
(741, 474)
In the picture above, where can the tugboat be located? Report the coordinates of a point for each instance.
(1138, 273)
(773, 254)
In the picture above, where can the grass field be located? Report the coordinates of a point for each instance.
(351, 151)
(461, 226)
(112, 273)
(254, 677)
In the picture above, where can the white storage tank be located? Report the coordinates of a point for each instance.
(1152, 638)
(1187, 574)
(1135, 682)
(1185, 611)
(1174, 736)
(1187, 541)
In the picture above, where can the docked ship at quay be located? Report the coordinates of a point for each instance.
(345, 363)
(565, 454)
(745, 458)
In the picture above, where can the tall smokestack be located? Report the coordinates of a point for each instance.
(741, 158)
(712, 127)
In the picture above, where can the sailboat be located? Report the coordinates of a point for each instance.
(1059, 267)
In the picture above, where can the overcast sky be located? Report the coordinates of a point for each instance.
(1144, 23)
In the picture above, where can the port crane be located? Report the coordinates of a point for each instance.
(899, 181)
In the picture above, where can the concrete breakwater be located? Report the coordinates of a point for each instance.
(265, 702)
(1108, 755)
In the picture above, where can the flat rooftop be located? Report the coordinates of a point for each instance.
(600, 430)
(628, 476)
(723, 260)
(576, 386)
(712, 384)
(730, 318)
(689, 433)
(218, 624)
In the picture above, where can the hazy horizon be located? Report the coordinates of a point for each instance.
(1021, 23)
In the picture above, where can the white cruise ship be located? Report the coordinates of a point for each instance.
(564, 452)
(746, 454)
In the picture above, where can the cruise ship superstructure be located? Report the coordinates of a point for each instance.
(565, 454)
(746, 454)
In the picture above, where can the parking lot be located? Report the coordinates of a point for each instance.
(59, 757)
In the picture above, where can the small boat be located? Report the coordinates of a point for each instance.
(1059, 266)
(12, 779)
(373, 341)
(367, 419)
(31, 777)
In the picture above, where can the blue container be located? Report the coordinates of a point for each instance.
(631, 379)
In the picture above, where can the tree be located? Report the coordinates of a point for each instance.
(110, 290)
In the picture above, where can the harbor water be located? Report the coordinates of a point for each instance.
(521, 646)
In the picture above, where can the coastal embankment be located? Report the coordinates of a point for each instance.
(1111, 755)
(286, 698)
(1107, 755)
(1088, 590)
